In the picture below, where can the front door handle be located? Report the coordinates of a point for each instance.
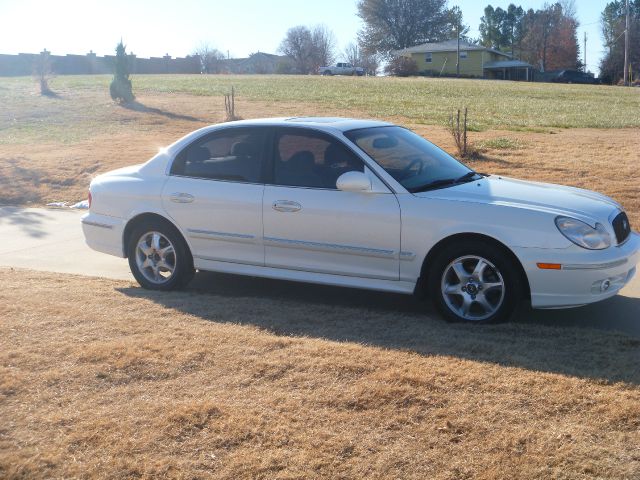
(180, 197)
(286, 206)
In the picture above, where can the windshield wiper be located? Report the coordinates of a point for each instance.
(444, 182)
(432, 185)
(466, 176)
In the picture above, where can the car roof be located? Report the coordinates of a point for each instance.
(321, 123)
(327, 124)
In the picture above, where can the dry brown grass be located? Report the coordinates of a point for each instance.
(83, 134)
(102, 379)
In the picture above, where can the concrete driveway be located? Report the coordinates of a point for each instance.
(51, 240)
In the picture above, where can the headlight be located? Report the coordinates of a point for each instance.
(584, 235)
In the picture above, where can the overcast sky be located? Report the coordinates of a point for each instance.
(157, 27)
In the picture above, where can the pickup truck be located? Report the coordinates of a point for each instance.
(341, 69)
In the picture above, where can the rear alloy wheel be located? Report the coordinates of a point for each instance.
(158, 258)
(474, 282)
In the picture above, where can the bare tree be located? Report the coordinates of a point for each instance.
(356, 56)
(569, 8)
(371, 63)
(323, 46)
(351, 54)
(309, 48)
(210, 58)
(297, 45)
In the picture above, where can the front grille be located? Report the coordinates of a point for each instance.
(621, 227)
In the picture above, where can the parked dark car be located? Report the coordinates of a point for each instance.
(574, 76)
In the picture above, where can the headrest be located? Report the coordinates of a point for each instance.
(242, 149)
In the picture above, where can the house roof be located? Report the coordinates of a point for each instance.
(256, 56)
(448, 46)
(507, 64)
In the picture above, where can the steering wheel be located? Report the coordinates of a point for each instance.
(406, 171)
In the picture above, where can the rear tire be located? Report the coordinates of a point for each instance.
(474, 281)
(159, 258)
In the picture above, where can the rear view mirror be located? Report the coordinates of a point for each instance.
(354, 182)
(385, 142)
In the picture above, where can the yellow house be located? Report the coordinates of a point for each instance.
(440, 59)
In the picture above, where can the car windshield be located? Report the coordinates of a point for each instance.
(416, 163)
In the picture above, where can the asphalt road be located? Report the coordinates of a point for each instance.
(51, 240)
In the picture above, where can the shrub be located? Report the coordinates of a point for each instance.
(284, 68)
(402, 67)
(458, 131)
(121, 89)
(42, 72)
(230, 106)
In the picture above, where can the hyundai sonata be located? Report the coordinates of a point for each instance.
(364, 204)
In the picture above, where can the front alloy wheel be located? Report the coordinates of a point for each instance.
(475, 281)
(472, 287)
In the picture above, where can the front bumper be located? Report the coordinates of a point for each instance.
(586, 276)
(103, 233)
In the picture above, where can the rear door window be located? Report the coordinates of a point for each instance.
(235, 155)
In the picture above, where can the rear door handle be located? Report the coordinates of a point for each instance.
(286, 206)
(180, 197)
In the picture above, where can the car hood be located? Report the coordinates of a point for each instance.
(555, 199)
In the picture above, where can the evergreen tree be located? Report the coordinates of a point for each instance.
(512, 28)
(120, 88)
(546, 37)
(492, 28)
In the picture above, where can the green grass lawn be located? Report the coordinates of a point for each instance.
(492, 104)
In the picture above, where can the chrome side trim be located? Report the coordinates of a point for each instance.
(329, 272)
(211, 235)
(97, 224)
(226, 260)
(594, 266)
(407, 256)
(330, 247)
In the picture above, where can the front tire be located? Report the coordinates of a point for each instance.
(159, 258)
(474, 281)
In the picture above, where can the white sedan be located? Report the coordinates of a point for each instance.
(363, 204)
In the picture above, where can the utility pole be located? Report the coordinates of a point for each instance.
(458, 49)
(585, 52)
(626, 47)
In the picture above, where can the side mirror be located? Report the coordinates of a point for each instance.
(354, 182)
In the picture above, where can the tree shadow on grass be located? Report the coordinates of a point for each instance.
(482, 157)
(140, 107)
(407, 323)
(50, 94)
